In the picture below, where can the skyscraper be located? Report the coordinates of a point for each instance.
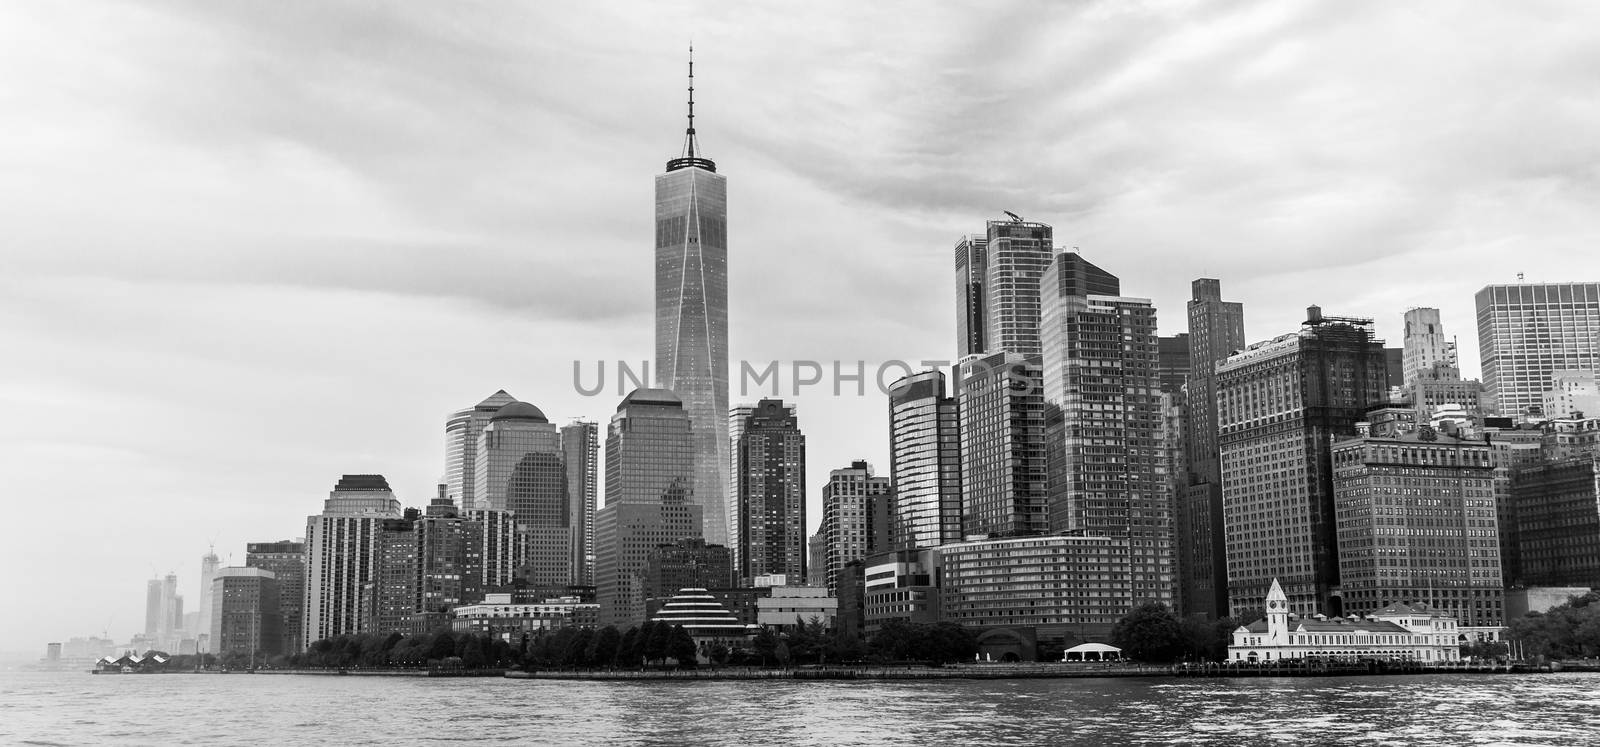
(342, 555)
(1280, 404)
(1104, 426)
(770, 504)
(1526, 332)
(1003, 470)
(1016, 255)
(1216, 330)
(692, 314)
(520, 470)
(852, 502)
(580, 450)
(924, 462)
(286, 561)
(461, 431)
(208, 570)
(247, 617)
(971, 260)
(650, 474)
(1425, 346)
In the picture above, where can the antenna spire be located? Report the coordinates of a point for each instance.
(689, 139)
(690, 156)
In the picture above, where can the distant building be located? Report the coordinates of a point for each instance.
(246, 616)
(286, 561)
(1003, 454)
(787, 606)
(1527, 332)
(925, 461)
(900, 586)
(650, 475)
(1557, 518)
(497, 616)
(770, 497)
(520, 469)
(1216, 331)
(461, 432)
(580, 454)
(202, 627)
(163, 615)
(1416, 523)
(1398, 632)
(817, 559)
(1281, 403)
(855, 512)
(342, 555)
(1572, 394)
(1425, 347)
(689, 563)
(1076, 585)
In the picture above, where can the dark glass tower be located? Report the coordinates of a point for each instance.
(692, 313)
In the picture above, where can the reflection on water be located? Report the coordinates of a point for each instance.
(72, 708)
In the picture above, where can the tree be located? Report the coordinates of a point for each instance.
(443, 646)
(1206, 640)
(1149, 633)
(682, 647)
(603, 648)
(576, 652)
(765, 646)
(628, 650)
(658, 644)
(782, 653)
(719, 654)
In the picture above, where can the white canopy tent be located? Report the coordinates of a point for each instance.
(1092, 652)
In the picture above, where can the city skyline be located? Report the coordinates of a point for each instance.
(241, 279)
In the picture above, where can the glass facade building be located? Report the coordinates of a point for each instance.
(461, 431)
(692, 320)
(286, 561)
(1526, 332)
(1003, 469)
(925, 462)
(580, 450)
(520, 470)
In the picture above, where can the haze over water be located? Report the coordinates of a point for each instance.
(72, 708)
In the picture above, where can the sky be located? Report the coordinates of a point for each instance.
(250, 247)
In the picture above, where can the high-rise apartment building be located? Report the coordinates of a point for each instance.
(1526, 332)
(692, 314)
(342, 556)
(286, 561)
(1104, 425)
(461, 431)
(1216, 331)
(1280, 404)
(580, 451)
(208, 570)
(854, 514)
(971, 264)
(771, 500)
(1003, 468)
(430, 564)
(1017, 254)
(650, 481)
(1415, 516)
(520, 469)
(246, 617)
(924, 462)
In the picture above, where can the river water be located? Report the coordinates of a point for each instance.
(72, 708)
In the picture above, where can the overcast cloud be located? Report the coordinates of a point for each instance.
(250, 247)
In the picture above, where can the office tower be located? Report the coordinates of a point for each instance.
(1425, 346)
(971, 264)
(520, 469)
(1526, 332)
(1416, 523)
(1172, 367)
(771, 500)
(580, 451)
(1056, 585)
(692, 314)
(461, 432)
(1003, 471)
(342, 555)
(851, 501)
(246, 615)
(1016, 256)
(689, 563)
(1104, 427)
(1556, 515)
(650, 482)
(1280, 404)
(286, 561)
(1216, 330)
(208, 569)
(924, 462)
